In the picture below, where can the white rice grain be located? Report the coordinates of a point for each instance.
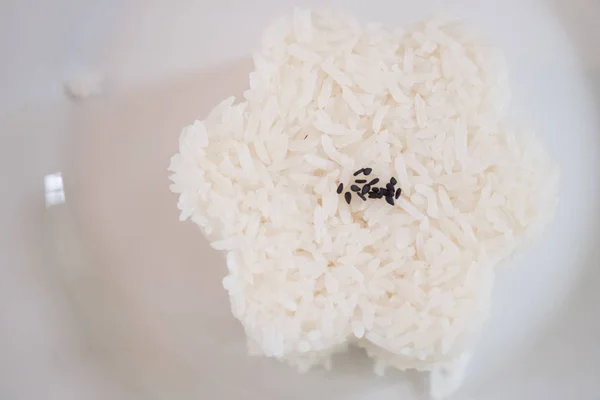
(308, 273)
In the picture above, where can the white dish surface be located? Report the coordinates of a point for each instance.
(162, 282)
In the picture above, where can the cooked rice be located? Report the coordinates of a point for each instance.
(310, 274)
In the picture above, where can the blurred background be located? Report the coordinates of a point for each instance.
(108, 296)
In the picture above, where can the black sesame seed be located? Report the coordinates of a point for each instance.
(386, 192)
(360, 171)
(390, 200)
(373, 195)
(362, 196)
(390, 187)
(340, 188)
(361, 181)
(354, 188)
(365, 189)
(367, 171)
(375, 189)
(393, 181)
(398, 193)
(348, 197)
(374, 181)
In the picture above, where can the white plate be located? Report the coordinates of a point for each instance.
(147, 288)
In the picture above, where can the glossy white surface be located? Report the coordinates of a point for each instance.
(109, 296)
